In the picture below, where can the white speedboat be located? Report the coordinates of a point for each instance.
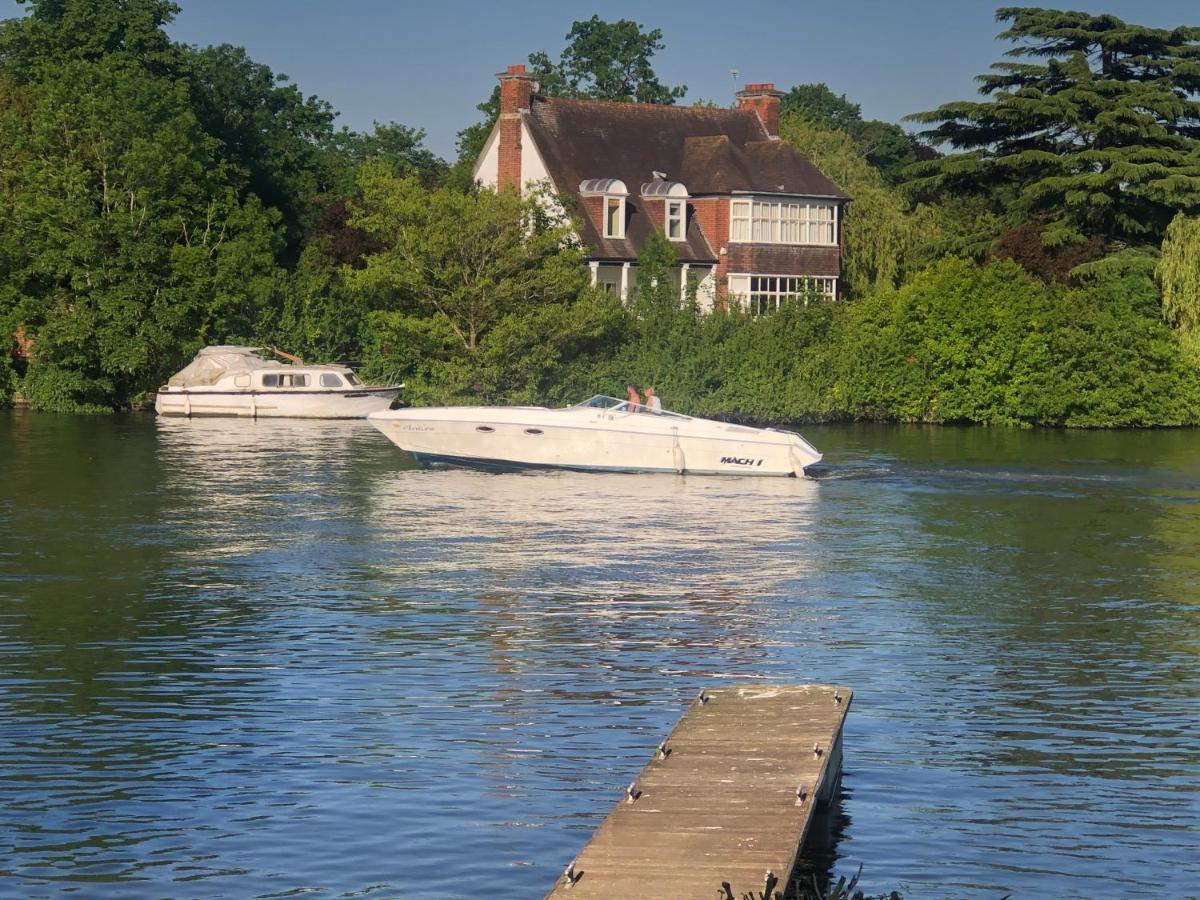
(237, 381)
(602, 434)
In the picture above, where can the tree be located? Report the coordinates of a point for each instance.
(881, 232)
(60, 31)
(602, 61)
(1178, 276)
(127, 237)
(466, 259)
(885, 146)
(129, 245)
(606, 61)
(816, 103)
(268, 129)
(1099, 139)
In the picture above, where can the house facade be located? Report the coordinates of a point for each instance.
(751, 220)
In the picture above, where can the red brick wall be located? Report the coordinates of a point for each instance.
(712, 215)
(508, 161)
(763, 259)
(764, 100)
(516, 89)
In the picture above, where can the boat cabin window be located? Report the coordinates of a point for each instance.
(328, 379)
(279, 379)
(352, 378)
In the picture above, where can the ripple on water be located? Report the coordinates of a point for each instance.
(269, 658)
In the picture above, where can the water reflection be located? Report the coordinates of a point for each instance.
(243, 658)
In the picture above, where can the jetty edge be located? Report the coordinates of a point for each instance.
(726, 801)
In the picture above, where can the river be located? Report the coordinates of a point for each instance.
(258, 659)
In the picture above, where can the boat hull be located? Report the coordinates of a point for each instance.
(291, 404)
(605, 442)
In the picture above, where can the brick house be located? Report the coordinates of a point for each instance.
(752, 221)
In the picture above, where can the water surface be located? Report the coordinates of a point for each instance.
(258, 659)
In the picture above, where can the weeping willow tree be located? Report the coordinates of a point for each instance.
(1179, 279)
(881, 233)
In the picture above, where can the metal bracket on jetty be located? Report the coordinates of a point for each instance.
(724, 805)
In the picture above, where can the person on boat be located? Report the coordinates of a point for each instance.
(653, 404)
(635, 399)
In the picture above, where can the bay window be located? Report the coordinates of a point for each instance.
(783, 222)
(763, 293)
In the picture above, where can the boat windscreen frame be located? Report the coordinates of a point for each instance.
(614, 404)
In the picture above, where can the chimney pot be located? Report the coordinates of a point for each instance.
(762, 98)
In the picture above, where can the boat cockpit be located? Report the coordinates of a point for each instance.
(613, 404)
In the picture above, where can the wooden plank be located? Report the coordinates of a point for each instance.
(721, 807)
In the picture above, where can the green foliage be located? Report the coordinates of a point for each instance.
(884, 145)
(606, 61)
(128, 244)
(958, 343)
(817, 104)
(881, 233)
(149, 193)
(1100, 139)
(56, 32)
(318, 316)
(602, 61)
(475, 294)
(1179, 273)
(963, 344)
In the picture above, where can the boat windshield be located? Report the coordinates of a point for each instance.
(600, 401)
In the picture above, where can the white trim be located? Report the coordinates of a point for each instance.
(618, 233)
(769, 218)
(683, 282)
(681, 218)
(624, 279)
(595, 267)
(740, 284)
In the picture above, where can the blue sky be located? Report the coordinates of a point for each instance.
(427, 65)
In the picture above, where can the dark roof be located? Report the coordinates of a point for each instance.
(711, 151)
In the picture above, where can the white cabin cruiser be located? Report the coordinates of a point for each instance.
(602, 434)
(237, 381)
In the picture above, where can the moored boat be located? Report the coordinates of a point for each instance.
(237, 381)
(602, 434)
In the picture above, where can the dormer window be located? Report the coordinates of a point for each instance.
(614, 217)
(674, 197)
(675, 216)
(612, 193)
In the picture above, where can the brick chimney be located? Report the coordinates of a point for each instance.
(516, 88)
(764, 100)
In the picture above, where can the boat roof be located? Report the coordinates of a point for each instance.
(216, 362)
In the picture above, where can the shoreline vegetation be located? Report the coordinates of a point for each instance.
(1032, 259)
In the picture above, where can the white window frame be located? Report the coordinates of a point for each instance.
(793, 222)
(617, 233)
(676, 214)
(760, 294)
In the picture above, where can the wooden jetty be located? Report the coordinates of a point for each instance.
(727, 798)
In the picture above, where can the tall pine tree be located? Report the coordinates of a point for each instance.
(1099, 137)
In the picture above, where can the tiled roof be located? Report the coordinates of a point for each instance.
(711, 151)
